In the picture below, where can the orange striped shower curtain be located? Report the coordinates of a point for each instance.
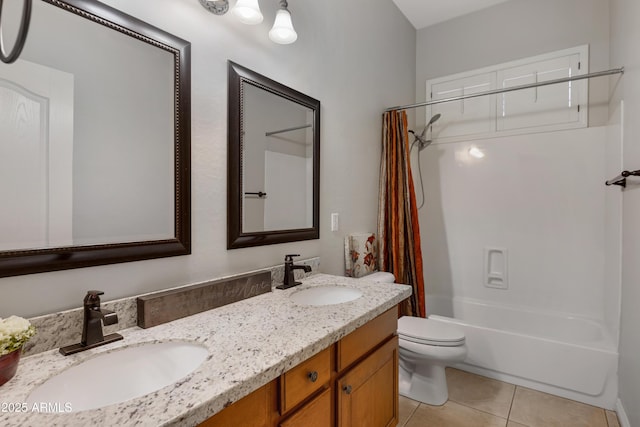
(399, 250)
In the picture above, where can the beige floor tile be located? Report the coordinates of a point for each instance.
(452, 414)
(479, 392)
(537, 409)
(406, 409)
(612, 419)
(515, 424)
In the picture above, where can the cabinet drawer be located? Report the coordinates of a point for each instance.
(309, 376)
(362, 340)
(254, 410)
(317, 413)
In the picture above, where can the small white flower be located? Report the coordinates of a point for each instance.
(14, 332)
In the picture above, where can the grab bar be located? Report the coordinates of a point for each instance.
(621, 179)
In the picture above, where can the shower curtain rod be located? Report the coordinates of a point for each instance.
(275, 132)
(510, 89)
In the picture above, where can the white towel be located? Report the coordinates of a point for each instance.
(360, 254)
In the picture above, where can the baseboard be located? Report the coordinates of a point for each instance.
(622, 416)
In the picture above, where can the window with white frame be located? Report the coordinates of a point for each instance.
(543, 108)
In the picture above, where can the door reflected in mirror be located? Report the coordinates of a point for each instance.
(94, 141)
(274, 158)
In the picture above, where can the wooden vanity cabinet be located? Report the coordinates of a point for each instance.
(258, 409)
(301, 382)
(367, 384)
(352, 383)
(368, 393)
(317, 413)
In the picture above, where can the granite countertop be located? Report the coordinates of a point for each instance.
(250, 342)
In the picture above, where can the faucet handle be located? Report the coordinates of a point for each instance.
(95, 293)
(290, 257)
(93, 297)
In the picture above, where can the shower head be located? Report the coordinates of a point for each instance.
(420, 139)
(431, 122)
(434, 119)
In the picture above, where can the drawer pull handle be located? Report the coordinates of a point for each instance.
(313, 376)
(347, 389)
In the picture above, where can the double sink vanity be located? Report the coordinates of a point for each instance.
(321, 353)
(325, 350)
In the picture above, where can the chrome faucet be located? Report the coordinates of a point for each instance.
(289, 267)
(94, 317)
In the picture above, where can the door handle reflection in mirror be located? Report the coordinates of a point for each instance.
(259, 193)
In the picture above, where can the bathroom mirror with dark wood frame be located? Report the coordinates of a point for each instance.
(105, 175)
(273, 161)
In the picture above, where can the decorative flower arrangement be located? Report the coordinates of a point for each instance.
(14, 332)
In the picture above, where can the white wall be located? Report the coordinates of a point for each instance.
(541, 196)
(625, 39)
(356, 57)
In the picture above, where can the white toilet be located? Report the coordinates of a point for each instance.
(426, 348)
(379, 277)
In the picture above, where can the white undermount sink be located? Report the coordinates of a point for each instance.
(120, 375)
(325, 295)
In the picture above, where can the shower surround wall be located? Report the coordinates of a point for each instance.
(540, 196)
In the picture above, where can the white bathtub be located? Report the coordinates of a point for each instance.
(566, 356)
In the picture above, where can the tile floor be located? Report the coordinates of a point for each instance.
(476, 401)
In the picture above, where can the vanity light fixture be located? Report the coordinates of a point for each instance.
(248, 12)
(217, 7)
(282, 31)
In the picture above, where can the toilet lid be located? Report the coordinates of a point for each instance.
(429, 332)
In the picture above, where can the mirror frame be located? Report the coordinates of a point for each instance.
(19, 262)
(236, 238)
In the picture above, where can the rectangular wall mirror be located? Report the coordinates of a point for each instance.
(274, 162)
(94, 141)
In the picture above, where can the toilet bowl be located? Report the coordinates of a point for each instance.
(426, 348)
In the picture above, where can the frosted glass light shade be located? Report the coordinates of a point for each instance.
(248, 12)
(282, 31)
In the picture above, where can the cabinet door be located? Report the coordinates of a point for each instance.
(368, 393)
(316, 413)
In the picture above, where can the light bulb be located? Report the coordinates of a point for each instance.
(248, 12)
(282, 31)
